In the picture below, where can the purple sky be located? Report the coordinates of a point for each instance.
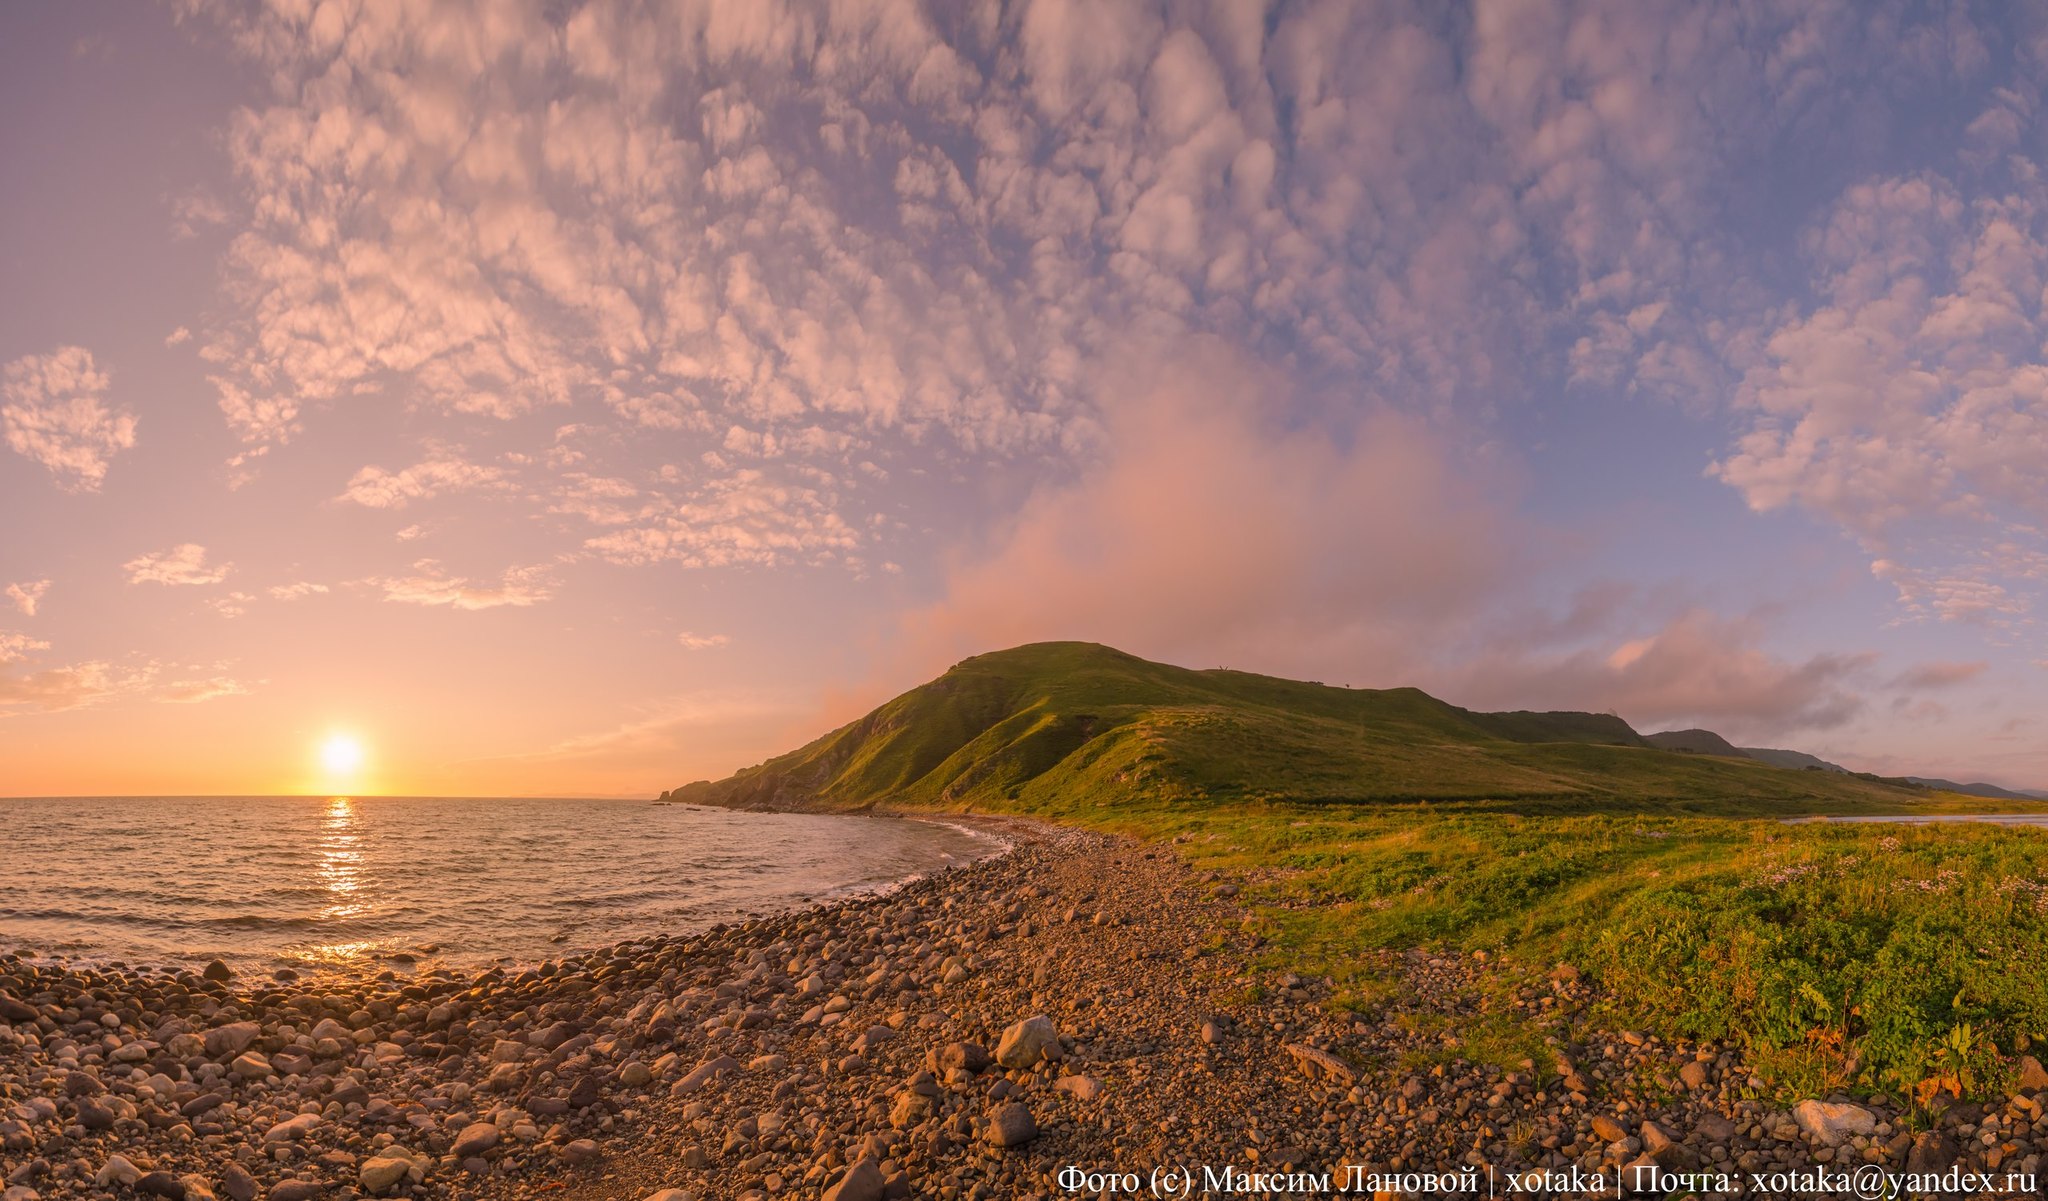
(586, 397)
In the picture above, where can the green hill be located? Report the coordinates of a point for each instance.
(1061, 726)
(1696, 742)
(1794, 759)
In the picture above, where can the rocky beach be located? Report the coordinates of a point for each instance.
(1076, 1014)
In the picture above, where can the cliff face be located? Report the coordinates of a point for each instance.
(1053, 725)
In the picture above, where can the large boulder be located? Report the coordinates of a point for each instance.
(1011, 1126)
(703, 1074)
(293, 1129)
(381, 1173)
(251, 1065)
(475, 1139)
(226, 1042)
(1833, 1123)
(117, 1170)
(1025, 1043)
(862, 1182)
(965, 1057)
(2033, 1077)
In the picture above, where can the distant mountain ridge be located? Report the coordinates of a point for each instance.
(1706, 742)
(1056, 725)
(1978, 789)
(1696, 742)
(1792, 759)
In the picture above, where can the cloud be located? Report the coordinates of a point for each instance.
(1908, 404)
(1967, 593)
(15, 647)
(66, 686)
(77, 685)
(296, 591)
(823, 223)
(701, 642)
(1696, 668)
(178, 337)
(519, 587)
(664, 728)
(195, 212)
(376, 488)
(1915, 388)
(192, 692)
(1210, 532)
(27, 594)
(53, 413)
(821, 248)
(181, 565)
(1939, 675)
(233, 605)
(750, 518)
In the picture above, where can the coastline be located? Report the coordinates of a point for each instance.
(842, 1051)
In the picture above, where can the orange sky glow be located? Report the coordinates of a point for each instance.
(582, 399)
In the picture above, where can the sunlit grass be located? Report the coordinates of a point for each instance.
(1893, 957)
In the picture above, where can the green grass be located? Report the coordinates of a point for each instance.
(1859, 956)
(1912, 959)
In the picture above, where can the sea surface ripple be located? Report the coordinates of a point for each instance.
(342, 883)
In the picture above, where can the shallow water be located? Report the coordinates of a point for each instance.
(1921, 819)
(338, 883)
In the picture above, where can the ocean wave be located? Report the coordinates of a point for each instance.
(496, 884)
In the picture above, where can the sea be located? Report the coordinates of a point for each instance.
(333, 885)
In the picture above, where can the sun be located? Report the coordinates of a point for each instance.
(341, 754)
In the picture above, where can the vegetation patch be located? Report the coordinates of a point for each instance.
(1911, 959)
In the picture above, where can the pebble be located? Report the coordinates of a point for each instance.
(844, 1052)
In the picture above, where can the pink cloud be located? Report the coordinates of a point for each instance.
(1939, 675)
(1210, 531)
(27, 594)
(1211, 534)
(53, 413)
(373, 487)
(65, 686)
(184, 564)
(519, 587)
(192, 692)
(1697, 667)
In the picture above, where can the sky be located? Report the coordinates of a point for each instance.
(572, 398)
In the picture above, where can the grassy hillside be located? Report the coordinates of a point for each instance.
(1861, 956)
(1056, 727)
(1698, 742)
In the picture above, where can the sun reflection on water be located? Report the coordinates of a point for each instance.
(340, 870)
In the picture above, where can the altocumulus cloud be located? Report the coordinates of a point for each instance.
(184, 564)
(52, 411)
(27, 688)
(430, 585)
(27, 595)
(376, 488)
(769, 261)
(808, 225)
